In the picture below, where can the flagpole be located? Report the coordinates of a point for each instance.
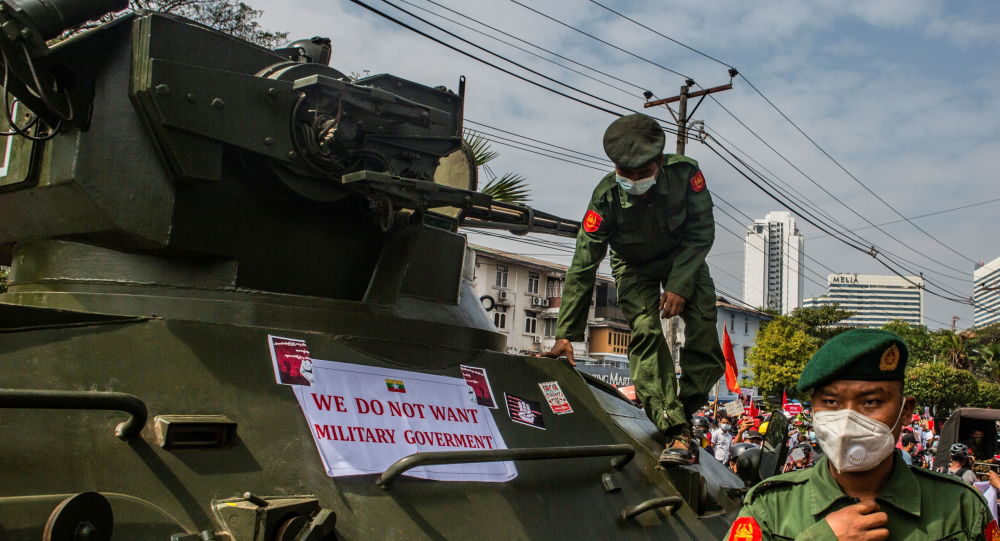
(715, 409)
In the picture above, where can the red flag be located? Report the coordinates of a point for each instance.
(784, 398)
(727, 351)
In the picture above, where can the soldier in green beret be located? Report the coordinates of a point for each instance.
(655, 212)
(861, 488)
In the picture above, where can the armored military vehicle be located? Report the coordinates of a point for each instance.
(239, 307)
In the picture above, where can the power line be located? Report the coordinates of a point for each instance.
(519, 48)
(536, 46)
(797, 128)
(476, 58)
(751, 131)
(873, 252)
(613, 46)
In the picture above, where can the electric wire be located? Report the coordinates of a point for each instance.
(509, 44)
(745, 126)
(872, 252)
(796, 126)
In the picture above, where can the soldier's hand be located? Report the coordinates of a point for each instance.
(562, 348)
(671, 304)
(859, 522)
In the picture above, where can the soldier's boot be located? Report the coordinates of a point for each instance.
(681, 450)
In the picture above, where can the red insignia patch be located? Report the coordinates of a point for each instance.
(992, 532)
(745, 528)
(592, 221)
(697, 182)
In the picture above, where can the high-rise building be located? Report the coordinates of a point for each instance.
(875, 300)
(986, 293)
(773, 263)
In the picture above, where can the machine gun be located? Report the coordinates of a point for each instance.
(307, 131)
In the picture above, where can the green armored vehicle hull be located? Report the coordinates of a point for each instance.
(239, 308)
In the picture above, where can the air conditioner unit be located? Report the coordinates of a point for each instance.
(503, 297)
(537, 339)
(537, 301)
(545, 302)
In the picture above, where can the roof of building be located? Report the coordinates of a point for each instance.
(511, 257)
(722, 302)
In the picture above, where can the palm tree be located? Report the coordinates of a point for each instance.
(507, 188)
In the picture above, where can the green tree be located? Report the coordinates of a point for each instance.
(954, 347)
(821, 323)
(918, 340)
(780, 354)
(989, 395)
(509, 187)
(988, 361)
(989, 334)
(940, 386)
(230, 16)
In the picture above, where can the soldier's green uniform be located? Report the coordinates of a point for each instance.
(920, 504)
(659, 238)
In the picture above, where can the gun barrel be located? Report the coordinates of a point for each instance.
(518, 219)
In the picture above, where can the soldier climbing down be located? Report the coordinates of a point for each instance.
(655, 212)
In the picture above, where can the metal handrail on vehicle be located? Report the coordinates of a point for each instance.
(82, 400)
(623, 453)
(672, 502)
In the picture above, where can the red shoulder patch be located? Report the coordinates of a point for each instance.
(592, 221)
(992, 532)
(745, 528)
(697, 181)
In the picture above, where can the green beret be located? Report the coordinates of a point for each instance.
(633, 140)
(861, 354)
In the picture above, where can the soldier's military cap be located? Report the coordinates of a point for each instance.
(860, 354)
(633, 140)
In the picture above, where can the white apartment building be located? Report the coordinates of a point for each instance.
(773, 263)
(522, 295)
(986, 293)
(874, 299)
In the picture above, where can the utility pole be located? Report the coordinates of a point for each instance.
(682, 116)
(954, 319)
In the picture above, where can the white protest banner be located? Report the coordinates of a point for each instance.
(734, 408)
(364, 418)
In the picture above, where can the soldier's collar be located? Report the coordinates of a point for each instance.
(901, 490)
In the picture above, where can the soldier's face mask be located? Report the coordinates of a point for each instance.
(636, 187)
(854, 441)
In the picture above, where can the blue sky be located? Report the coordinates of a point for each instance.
(905, 94)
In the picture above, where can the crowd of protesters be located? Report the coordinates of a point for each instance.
(725, 437)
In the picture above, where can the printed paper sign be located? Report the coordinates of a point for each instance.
(734, 408)
(480, 384)
(555, 397)
(364, 418)
(291, 360)
(525, 412)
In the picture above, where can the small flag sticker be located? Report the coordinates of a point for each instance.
(395, 385)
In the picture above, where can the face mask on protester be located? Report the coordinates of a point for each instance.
(725, 427)
(853, 441)
(636, 187)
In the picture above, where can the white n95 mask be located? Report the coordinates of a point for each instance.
(636, 187)
(852, 440)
